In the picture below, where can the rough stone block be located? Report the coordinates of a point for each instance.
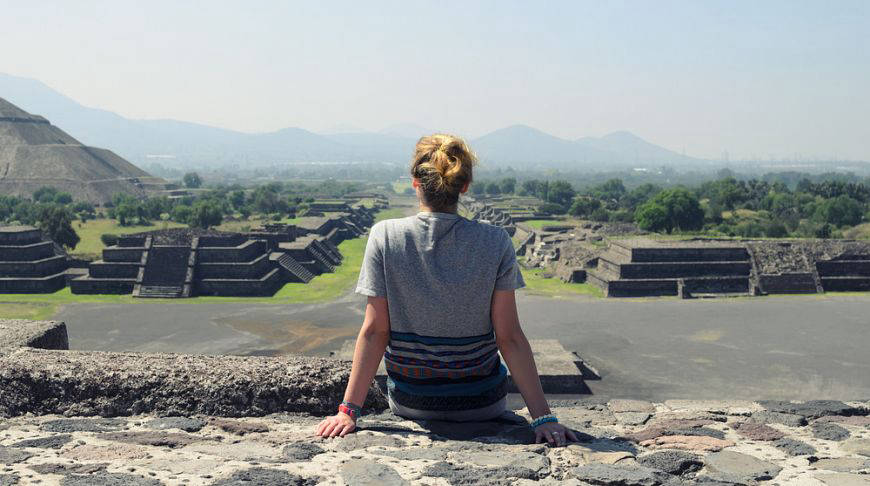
(17, 333)
(112, 384)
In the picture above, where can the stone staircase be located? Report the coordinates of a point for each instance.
(295, 269)
(165, 273)
(645, 268)
(160, 291)
(849, 274)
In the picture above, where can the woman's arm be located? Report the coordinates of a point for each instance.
(370, 346)
(517, 353)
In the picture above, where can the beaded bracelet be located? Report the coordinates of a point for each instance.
(543, 419)
(350, 409)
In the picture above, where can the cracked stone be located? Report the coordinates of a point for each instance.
(672, 462)
(738, 468)
(620, 405)
(756, 431)
(794, 447)
(50, 442)
(632, 418)
(620, 475)
(301, 451)
(829, 431)
(264, 476)
(186, 424)
(363, 472)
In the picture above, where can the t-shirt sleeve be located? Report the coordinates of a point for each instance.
(509, 276)
(372, 281)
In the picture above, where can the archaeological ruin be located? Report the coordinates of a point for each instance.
(29, 263)
(34, 153)
(185, 262)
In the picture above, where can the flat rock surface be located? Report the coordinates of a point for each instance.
(280, 449)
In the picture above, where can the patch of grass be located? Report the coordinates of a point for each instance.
(391, 213)
(91, 247)
(538, 285)
(33, 311)
(540, 223)
(400, 186)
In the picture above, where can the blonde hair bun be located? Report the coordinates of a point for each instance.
(442, 163)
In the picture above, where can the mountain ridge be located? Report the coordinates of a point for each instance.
(194, 144)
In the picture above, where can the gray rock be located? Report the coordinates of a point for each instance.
(829, 431)
(632, 418)
(364, 472)
(153, 438)
(238, 427)
(536, 462)
(620, 405)
(9, 456)
(737, 468)
(468, 475)
(794, 447)
(50, 442)
(416, 453)
(66, 426)
(844, 479)
(264, 476)
(17, 333)
(619, 475)
(672, 461)
(812, 409)
(186, 424)
(843, 464)
(64, 469)
(111, 384)
(9, 479)
(756, 431)
(718, 434)
(361, 440)
(301, 451)
(109, 479)
(789, 419)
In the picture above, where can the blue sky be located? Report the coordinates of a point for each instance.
(753, 78)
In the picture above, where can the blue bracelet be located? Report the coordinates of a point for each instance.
(543, 419)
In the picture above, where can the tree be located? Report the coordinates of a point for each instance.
(508, 185)
(561, 193)
(181, 214)
(840, 211)
(493, 189)
(584, 206)
(56, 222)
(205, 214)
(192, 180)
(45, 194)
(477, 188)
(671, 209)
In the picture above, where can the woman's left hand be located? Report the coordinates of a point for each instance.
(338, 425)
(554, 434)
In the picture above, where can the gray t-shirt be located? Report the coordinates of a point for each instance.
(438, 272)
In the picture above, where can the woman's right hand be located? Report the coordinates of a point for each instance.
(554, 434)
(339, 425)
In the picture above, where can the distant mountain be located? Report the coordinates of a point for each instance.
(182, 144)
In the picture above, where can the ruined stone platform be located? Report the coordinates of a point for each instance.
(623, 442)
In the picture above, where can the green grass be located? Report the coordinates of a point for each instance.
(33, 311)
(537, 284)
(91, 247)
(391, 213)
(540, 223)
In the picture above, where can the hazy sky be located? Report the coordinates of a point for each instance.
(755, 78)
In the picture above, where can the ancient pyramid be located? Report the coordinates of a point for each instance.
(35, 153)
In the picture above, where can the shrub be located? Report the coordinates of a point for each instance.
(109, 239)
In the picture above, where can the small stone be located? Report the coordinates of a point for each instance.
(665, 427)
(813, 408)
(469, 475)
(363, 472)
(183, 423)
(794, 447)
(857, 421)
(789, 419)
(843, 464)
(828, 431)
(153, 438)
(116, 452)
(844, 479)
(739, 468)
(620, 405)
(64, 469)
(688, 442)
(9, 455)
(536, 462)
(301, 451)
(856, 446)
(756, 431)
(50, 442)
(619, 475)
(672, 462)
(80, 425)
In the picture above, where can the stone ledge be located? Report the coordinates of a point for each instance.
(17, 333)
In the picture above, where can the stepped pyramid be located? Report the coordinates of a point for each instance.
(35, 153)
